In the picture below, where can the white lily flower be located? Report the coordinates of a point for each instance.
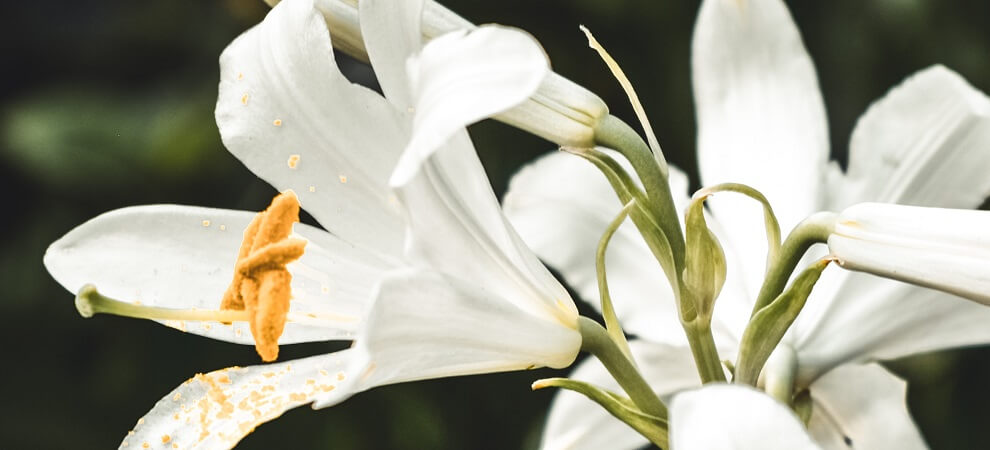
(945, 249)
(428, 276)
(762, 122)
(560, 111)
(748, 420)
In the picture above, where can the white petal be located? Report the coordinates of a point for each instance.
(854, 317)
(456, 227)
(463, 77)
(945, 249)
(183, 257)
(722, 416)
(560, 111)
(218, 409)
(561, 205)
(425, 325)
(761, 120)
(862, 406)
(576, 423)
(924, 143)
(391, 33)
(290, 116)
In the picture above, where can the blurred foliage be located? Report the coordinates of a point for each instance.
(108, 104)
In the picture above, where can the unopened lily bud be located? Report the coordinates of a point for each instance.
(560, 111)
(944, 249)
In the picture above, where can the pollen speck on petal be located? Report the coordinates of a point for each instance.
(293, 161)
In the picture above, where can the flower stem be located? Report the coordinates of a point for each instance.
(699, 334)
(595, 340)
(812, 230)
(612, 132)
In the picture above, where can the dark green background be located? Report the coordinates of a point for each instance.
(108, 104)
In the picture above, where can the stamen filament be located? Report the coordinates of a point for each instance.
(90, 302)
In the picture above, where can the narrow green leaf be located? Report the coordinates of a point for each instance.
(651, 427)
(769, 324)
(608, 311)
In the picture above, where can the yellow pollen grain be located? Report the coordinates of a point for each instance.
(244, 99)
(141, 421)
(240, 75)
(340, 376)
(207, 326)
(145, 445)
(206, 223)
(312, 189)
(297, 397)
(175, 445)
(293, 161)
(277, 122)
(324, 372)
(124, 444)
(223, 227)
(166, 438)
(343, 179)
(176, 397)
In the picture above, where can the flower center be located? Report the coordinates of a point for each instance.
(258, 294)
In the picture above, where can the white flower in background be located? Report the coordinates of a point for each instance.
(748, 420)
(762, 123)
(946, 249)
(426, 275)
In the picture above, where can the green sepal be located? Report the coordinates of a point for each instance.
(651, 427)
(704, 260)
(770, 323)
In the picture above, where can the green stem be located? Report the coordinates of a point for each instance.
(613, 133)
(595, 340)
(699, 334)
(813, 230)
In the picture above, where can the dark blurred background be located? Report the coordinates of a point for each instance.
(105, 104)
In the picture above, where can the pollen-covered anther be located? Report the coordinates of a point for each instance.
(262, 284)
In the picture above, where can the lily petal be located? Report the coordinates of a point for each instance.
(286, 111)
(944, 249)
(463, 77)
(391, 33)
(862, 406)
(218, 409)
(576, 423)
(560, 111)
(924, 144)
(183, 257)
(426, 325)
(761, 119)
(561, 205)
(838, 326)
(734, 417)
(454, 218)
